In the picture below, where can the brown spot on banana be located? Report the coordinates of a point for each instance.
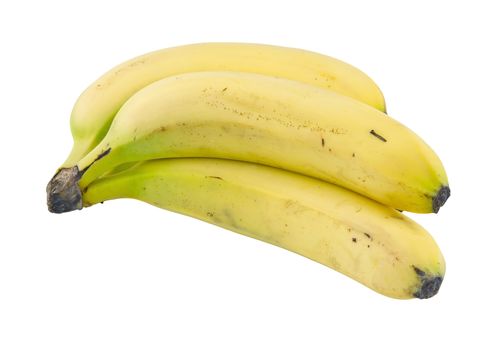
(378, 136)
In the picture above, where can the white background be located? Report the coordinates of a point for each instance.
(125, 275)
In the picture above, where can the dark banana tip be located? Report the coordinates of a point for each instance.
(63, 192)
(429, 284)
(440, 198)
(429, 287)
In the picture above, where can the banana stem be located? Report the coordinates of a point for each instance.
(63, 192)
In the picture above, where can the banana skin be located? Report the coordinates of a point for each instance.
(271, 121)
(372, 244)
(97, 106)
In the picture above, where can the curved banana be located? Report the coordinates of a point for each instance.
(371, 243)
(96, 107)
(265, 120)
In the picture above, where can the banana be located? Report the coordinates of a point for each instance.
(373, 244)
(96, 107)
(272, 121)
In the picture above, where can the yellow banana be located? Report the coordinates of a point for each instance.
(272, 121)
(96, 107)
(373, 244)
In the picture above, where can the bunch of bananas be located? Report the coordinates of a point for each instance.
(283, 145)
